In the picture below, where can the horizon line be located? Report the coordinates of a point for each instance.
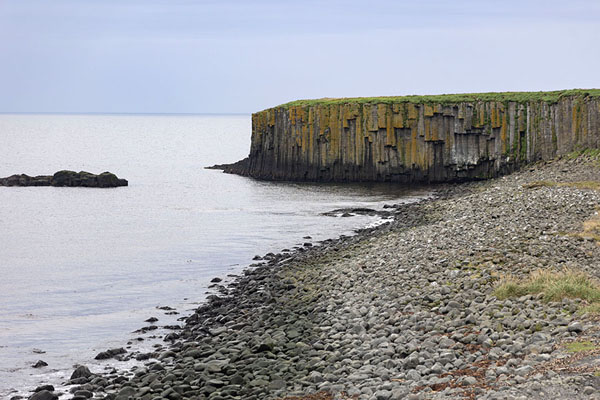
(114, 113)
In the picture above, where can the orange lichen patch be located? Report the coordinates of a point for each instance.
(503, 133)
(428, 129)
(428, 110)
(271, 117)
(413, 111)
(390, 138)
(397, 120)
(381, 116)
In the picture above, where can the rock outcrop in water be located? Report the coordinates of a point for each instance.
(66, 178)
(418, 138)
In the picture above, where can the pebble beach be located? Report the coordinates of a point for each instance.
(406, 310)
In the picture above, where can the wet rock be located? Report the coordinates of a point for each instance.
(49, 388)
(81, 372)
(111, 353)
(40, 364)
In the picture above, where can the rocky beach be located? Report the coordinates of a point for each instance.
(405, 310)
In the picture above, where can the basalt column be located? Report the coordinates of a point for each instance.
(407, 141)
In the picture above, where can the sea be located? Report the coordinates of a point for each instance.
(82, 268)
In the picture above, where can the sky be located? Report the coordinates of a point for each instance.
(241, 56)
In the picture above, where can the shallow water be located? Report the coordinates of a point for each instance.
(82, 268)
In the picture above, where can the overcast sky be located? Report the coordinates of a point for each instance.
(228, 56)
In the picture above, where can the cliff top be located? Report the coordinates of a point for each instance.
(520, 97)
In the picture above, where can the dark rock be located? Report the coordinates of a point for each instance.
(44, 395)
(144, 356)
(49, 388)
(84, 393)
(215, 280)
(146, 329)
(66, 178)
(105, 355)
(81, 372)
(39, 364)
(171, 337)
(151, 319)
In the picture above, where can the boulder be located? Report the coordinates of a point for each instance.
(44, 395)
(81, 372)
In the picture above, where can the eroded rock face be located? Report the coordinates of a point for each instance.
(406, 141)
(66, 178)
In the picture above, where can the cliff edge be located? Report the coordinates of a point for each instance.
(418, 138)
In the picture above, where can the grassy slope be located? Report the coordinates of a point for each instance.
(520, 97)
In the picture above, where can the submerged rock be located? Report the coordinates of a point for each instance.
(104, 355)
(66, 178)
(40, 364)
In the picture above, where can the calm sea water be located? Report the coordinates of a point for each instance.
(82, 268)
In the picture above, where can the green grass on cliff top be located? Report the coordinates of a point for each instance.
(519, 97)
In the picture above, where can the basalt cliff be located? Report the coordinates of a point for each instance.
(418, 138)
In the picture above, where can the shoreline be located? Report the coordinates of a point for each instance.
(401, 310)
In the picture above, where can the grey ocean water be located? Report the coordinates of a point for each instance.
(82, 268)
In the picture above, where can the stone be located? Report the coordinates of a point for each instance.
(589, 390)
(84, 393)
(44, 395)
(125, 393)
(40, 364)
(111, 353)
(576, 327)
(81, 372)
(49, 388)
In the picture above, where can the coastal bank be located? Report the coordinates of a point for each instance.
(424, 139)
(408, 310)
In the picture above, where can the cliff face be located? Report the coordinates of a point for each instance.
(418, 139)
